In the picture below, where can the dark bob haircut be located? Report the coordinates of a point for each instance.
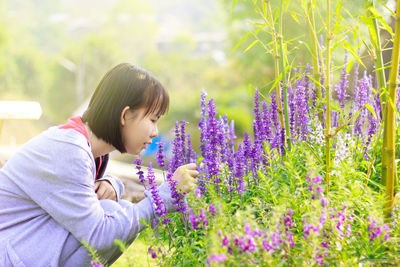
(124, 85)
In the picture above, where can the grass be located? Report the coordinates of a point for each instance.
(136, 255)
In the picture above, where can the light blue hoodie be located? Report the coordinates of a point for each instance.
(48, 205)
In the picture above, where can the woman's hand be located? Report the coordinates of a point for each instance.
(186, 175)
(105, 190)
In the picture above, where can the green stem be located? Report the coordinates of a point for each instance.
(284, 80)
(388, 151)
(276, 57)
(378, 58)
(314, 49)
(328, 95)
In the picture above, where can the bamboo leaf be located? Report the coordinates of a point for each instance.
(264, 9)
(368, 106)
(241, 41)
(251, 45)
(347, 46)
(393, 106)
(390, 10)
(378, 16)
(372, 33)
(234, 2)
(294, 17)
(349, 66)
(276, 82)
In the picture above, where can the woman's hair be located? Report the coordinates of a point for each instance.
(124, 85)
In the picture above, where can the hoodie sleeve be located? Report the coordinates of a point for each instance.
(116, 184)
(61, 181)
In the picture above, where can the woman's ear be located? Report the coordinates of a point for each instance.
(123, 113)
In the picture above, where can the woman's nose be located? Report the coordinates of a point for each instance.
(154, 132)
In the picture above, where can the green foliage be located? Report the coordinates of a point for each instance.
(282, 186)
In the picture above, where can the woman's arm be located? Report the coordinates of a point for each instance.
(60, 179)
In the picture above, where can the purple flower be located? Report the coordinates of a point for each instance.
(376, 231)
(213, 136)
(323, 201)
(96, 264)
(160, 155)
(212, 210)
(202, 123)
(183, 140)
(292, 108)
(152, 252)
(301, 106)
(258, 128)
(342, 86)
(138, 163)
(225, 241)
(317, 180)
(202, 218)
(218, 258)
(240, 167)
(158, 203)
(274, 118)
(361, 98)
(191, 155)
(193, 220)
(179, 201)
(177, 150)
(231, 133)
(267, 246)
(266, 122)
(247, 229)
(319, 190)
(247, 147)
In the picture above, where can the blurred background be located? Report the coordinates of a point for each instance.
(55, 52)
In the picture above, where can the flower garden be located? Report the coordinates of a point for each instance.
(312, 184)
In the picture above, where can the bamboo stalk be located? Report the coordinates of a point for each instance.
(276, 62)
(314, 52)
(328, 95)
(379, 66)
(388, 151)
(284, 79)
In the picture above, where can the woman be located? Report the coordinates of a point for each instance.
(53, 195)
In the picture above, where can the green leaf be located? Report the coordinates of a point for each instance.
(347, 46)
(378, 16)
(371, 28)
(368, 106)
(251, 45)
(241, 41)
(383, 4)
(294, 16)
(276, 82)
(234, 2)
(349, 66)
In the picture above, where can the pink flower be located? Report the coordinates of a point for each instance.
(218, 258)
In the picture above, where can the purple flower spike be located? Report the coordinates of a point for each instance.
(193, 220)
(138, 163)
(158, 203)
(202, 123)
(258, 128)
(160, 155)
(342, 86)
(183, 141)
(212, 210)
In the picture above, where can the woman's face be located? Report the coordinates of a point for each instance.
(138, 130)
